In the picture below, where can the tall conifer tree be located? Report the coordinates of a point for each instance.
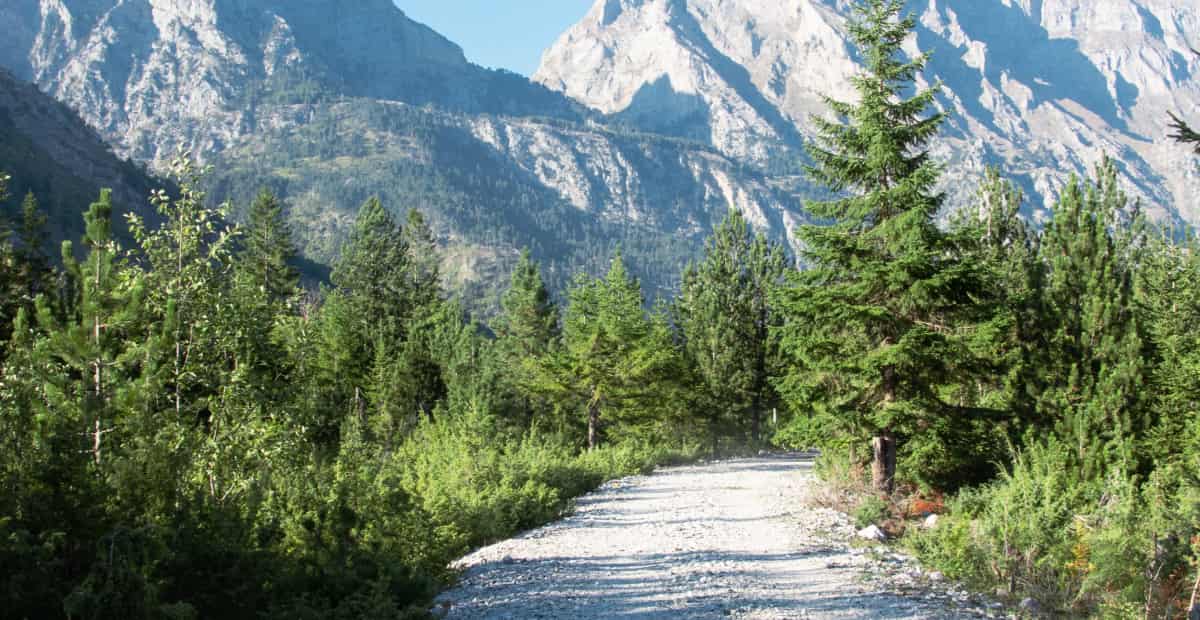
(1091, 348)
(268, 249)
(871, 324)
(528, 321)
(724, 315)
(93, 342)
(527, 329)
(612, 354)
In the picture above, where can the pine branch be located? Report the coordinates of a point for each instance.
(1183, 133)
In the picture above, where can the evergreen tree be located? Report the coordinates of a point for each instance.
(872, 325)
(374, 274)
(10, 289)
(725, 319)
(268, 250)
(95, 341)
(613, 356)
(35, 265)
(528, 321)
(1168, 293)
(425, 260)
(1090, 351)
(526, 329)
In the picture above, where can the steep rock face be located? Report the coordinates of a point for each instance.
(152, 75)
(1040, 87)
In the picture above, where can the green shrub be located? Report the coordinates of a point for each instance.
(1113, 547)
(871, 511)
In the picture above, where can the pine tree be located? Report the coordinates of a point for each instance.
(1091, 349)
(612, 354)
(268, 250)
(1184, 134)
(94, 342)
(725, 319)
(871, 329)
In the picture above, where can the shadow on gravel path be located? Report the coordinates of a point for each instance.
(730, 539)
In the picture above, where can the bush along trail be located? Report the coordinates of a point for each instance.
(728, 539)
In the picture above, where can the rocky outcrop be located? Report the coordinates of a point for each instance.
(1041, 89)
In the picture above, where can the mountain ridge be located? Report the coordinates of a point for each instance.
(424, 129)
(1108, 73)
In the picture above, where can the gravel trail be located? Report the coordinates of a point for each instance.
(726, 540)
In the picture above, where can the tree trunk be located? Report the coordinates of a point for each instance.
(594, 420)
(96, 441)
(760, 375)
(756, 418)
(883, 462)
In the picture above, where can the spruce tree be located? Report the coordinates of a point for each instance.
(268, 250)
(871, 329)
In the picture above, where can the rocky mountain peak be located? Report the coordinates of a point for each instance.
(152, 75)
(1041, 88)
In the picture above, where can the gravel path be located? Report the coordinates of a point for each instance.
(730, 539)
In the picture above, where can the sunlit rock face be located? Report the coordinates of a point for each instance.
(1041, 88)
(154, 74)
(330, 101)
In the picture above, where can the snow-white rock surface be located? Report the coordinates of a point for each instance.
(1042, 88)
(731, 539)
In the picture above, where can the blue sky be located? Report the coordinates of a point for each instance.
(508, 34)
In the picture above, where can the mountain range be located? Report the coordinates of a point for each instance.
(645, 123)
(1039, 88)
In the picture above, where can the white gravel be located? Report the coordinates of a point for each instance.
(733, 539)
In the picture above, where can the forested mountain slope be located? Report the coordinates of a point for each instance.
(50, 152)
(329, 102)
(1038, 88)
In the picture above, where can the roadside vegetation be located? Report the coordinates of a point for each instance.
(1037, 386)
